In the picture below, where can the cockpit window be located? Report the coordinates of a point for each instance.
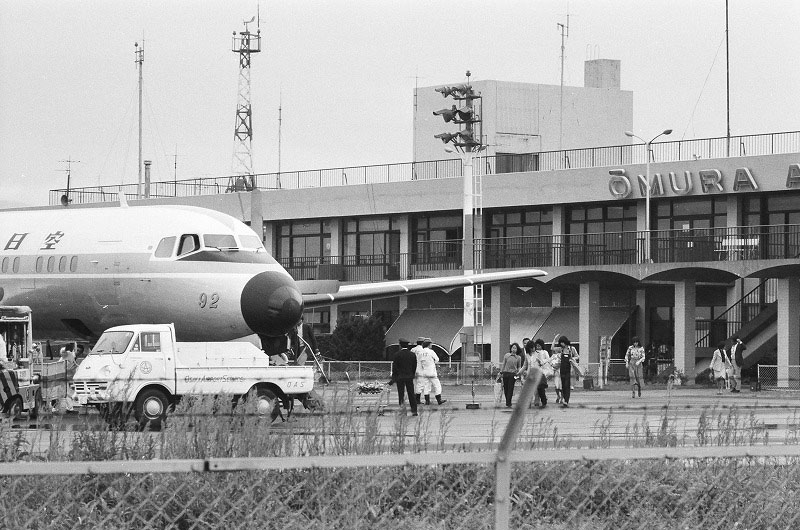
(251, 242)
(221, 241)
(165, 247)
(189, 243)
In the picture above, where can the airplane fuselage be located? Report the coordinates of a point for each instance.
(85, 270)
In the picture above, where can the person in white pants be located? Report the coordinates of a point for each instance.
(427, 378)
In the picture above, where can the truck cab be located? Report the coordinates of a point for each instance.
(142, 368)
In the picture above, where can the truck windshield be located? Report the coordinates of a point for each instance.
(112, 342)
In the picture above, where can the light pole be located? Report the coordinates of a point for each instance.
(647, 182)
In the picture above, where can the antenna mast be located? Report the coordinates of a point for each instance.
(140, 62)
(280, 121)
(245, 43)
(65, 199)
(564, 34)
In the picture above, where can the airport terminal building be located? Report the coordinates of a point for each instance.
(719, 255)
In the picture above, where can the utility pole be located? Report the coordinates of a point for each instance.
(139, 52)
(564, 28)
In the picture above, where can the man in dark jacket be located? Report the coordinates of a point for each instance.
(404, 369)
(736, 355)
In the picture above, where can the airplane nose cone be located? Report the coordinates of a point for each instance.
(271, 304)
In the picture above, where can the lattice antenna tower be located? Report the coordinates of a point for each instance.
(245, 43)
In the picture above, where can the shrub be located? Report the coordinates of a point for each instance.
(358, 339)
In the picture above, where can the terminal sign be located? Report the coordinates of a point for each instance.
(705, 180)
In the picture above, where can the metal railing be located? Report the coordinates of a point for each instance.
(609, 248)
(745, 145)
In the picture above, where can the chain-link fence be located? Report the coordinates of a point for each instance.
(721, 487)
(770, 376)
(322, 480)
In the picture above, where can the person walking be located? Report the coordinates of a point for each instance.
(419, 383)
(510, 370)
(566, 363)
(634, 361)
(537, 358)
(404, 368)
(737, 360)
(718, 362)
(427, 378)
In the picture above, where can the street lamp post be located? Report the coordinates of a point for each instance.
(647, 258)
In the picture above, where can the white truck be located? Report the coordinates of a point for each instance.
(144, 370)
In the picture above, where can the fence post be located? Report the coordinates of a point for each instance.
(502, 467)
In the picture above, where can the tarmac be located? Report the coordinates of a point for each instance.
(610, 413)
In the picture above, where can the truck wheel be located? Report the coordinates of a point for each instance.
(268, 404)
(14, 407)
(151, 408)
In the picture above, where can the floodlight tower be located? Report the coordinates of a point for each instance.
(468, 141)
(245, 43)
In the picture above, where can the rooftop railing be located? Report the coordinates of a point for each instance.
(718, 147)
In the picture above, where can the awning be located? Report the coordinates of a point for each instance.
(524, 323)
(564, 321)
(438, 324)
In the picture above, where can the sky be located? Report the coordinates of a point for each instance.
(343, 74)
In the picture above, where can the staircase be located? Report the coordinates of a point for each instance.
(752, 318)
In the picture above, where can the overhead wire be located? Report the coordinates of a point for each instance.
(699, 96)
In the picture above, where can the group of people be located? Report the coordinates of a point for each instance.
(414, 372)
(557, 366)
(726, 365)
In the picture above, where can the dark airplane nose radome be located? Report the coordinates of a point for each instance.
(271, 304)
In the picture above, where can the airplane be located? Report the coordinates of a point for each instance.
(83, 270)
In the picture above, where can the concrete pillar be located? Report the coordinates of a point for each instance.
(402, 304)
(642, 317)
(555, 296)
(336, 239)
(589, 323)
(404, 223)
(732, 296)
(559, 228)
(268, 231)
(788, 328)
(685, 312)
(501, 321)
(257, 214)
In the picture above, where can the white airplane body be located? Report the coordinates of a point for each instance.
(83, 270)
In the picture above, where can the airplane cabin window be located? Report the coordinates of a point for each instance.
(251, 242)
(62, 264)
(219, 241)
(15, 265)
(51, 263)
(189, 243)
(39, 264)
(165, 247)
(73, 264)
(5, 265)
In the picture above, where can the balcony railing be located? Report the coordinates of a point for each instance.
(746, 145)
(579, 250)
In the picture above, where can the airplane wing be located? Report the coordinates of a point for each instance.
(369, 291)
